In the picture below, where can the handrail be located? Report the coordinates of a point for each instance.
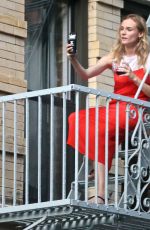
(142, 83)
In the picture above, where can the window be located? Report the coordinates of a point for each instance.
(46, 62)
(46, 66)
(131, 7)
(49, 23)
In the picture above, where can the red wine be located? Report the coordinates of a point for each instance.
(120, 72)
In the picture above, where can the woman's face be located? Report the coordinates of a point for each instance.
(129, 34)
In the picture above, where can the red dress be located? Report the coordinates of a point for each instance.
(123, 86)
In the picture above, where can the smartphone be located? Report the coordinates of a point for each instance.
(72, 39)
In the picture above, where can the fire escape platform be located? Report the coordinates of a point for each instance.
(127, 187)
(72, 214)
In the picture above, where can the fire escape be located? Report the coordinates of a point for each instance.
(127, 194)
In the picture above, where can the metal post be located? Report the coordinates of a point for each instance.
(52, 148)
(39, 146)
(3, 154)
(76, 145)
(126, 156)
(86, 147)
(27, 154)
(64, 149)
(116, 154)
(96, 149)
(15, 152)
(106, 151)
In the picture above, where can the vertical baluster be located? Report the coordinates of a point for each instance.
(106, 151)
(52, 147)
(64, 148)
(27, 153)
(116, 154)
(140, 113)
(96, 147)
(15, 152)
(126, 155)
(3, 154)
(86, 147)
(76, 144)
(39, 146)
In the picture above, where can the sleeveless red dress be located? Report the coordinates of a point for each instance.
(123, 86)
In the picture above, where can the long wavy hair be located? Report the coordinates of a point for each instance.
(142, 48)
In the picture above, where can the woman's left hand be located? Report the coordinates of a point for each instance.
(129, 73)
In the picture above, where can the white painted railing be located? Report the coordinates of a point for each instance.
(126, 185)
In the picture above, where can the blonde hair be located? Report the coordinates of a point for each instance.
(142, 49)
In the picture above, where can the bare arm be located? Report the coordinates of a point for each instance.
(101, 65)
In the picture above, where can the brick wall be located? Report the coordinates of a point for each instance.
(13, 31)
(12, 37)
(104, 18)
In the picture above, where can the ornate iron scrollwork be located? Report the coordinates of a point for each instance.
(138, 187)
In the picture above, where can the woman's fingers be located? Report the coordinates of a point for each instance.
(70, 50)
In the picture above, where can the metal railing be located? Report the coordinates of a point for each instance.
(124, 192)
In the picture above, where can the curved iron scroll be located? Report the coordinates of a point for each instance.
(138, 187)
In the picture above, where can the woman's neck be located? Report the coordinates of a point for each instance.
(130, 51)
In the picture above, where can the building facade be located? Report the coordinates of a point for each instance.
(13, 33)
(33, 37)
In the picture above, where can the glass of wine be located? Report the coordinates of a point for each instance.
(119, 69)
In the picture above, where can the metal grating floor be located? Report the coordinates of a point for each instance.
(76, 215)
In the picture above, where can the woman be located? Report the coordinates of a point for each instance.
(131, 56)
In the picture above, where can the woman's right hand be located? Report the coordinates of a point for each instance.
(69, 49)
